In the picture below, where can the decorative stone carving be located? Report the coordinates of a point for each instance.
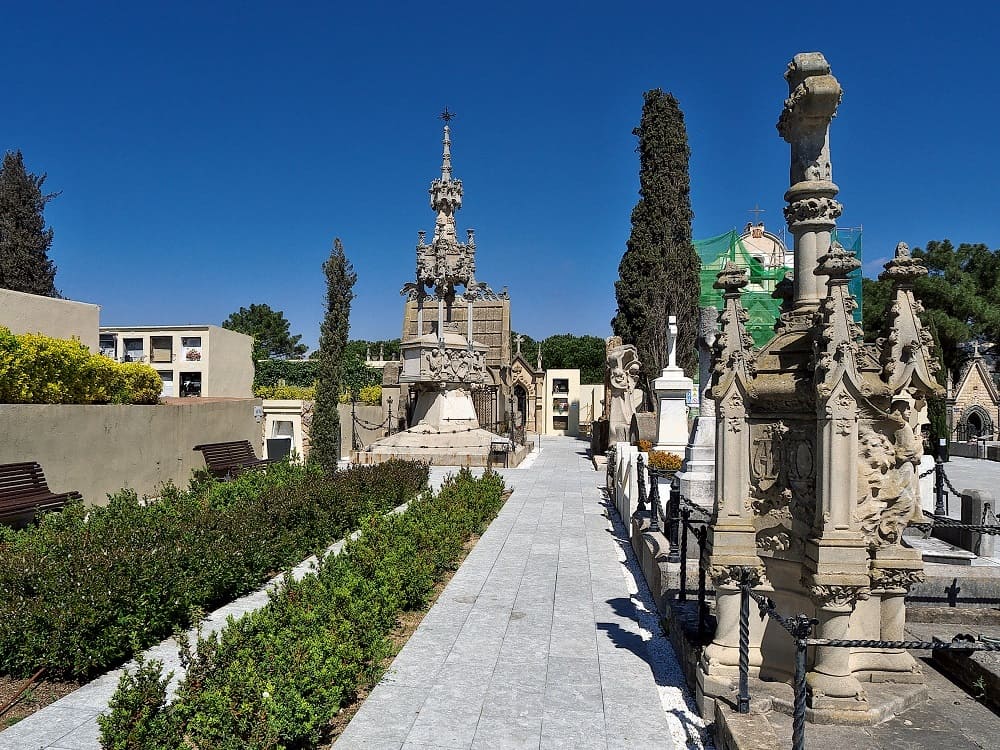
(896, 580)
(733, 575)
(837, 597)
(623, 372)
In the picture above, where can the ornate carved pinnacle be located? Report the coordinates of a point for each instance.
(838, 263)
(903, 269)
(731, 279)
(813, 95)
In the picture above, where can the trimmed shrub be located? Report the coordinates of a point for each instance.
(36, 369)
(277, 677)
(300, 392)
(86, 587)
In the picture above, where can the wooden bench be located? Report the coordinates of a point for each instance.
(227, 460)
(24, 493)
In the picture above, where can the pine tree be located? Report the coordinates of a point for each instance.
(659, 272)
(24, 240)
(324, 434)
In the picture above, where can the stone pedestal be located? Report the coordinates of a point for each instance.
(697, 480)
(672, 389)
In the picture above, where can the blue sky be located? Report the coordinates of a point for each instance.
(208, 153)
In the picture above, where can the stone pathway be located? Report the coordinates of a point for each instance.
(536, 642)
(541, 640)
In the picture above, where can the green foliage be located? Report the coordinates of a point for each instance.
(270, 331)
(960, 295)
(36, 369)
(277, 677)
(658, 274)
(136, 718)
(25, 265)
(83, 589)
(324, 434)
(369, 394)
(300, 372)
(567, 351)
(355, 374)
(299, 392)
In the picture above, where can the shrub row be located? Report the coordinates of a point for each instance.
(84, 589)
(278, 676)
(37, 369)
(369, 394)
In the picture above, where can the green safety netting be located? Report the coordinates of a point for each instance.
(760, 305)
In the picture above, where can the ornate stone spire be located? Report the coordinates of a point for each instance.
(811, 213)
(446, 193)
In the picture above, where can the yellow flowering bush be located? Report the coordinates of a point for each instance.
(36, 369)
(369, 394)
(294, 392)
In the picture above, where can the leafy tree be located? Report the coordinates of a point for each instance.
(567, 351)
(324, 434)
(270, 331)
(25, 265)
(960, 295)
(658, 274)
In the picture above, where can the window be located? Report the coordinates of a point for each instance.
(133, 351)
(191, 348)
(167, 376)
(109, 345)
(162, 348)
(560, 385)
(190, 384)
(560, 423)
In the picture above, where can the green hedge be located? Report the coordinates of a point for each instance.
(84, 589)
(278, 676)
(36, 369)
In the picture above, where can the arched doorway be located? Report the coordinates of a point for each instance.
(521, 405)
(976, 423)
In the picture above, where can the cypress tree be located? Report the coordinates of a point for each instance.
(324, 434)
(24, 240)
(658, 273)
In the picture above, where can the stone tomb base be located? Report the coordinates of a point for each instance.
(441, 446)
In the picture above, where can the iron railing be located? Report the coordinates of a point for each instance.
(683, 520)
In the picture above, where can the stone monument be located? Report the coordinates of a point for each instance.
(818, 440)
(697, 480)
(672, 389)
(440, 363)
(621, 396)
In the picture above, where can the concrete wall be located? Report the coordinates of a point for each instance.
(97, 450)
(231, 371)
(59, 318)
(280, 415)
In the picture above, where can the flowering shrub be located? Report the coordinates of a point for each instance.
(298, 392)
(83, 589)
(37, 369)
(664, 461)
(276, 677)
(369, 394)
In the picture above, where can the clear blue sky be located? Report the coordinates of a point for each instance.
(208, 153)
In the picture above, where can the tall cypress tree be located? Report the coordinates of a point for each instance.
(24, 240)
(658, 274)
(324, 434)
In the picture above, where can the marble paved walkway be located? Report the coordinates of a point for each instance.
(534, 643)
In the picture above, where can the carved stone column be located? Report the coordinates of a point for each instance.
(813, 96)
(831, 682)
(890, 586)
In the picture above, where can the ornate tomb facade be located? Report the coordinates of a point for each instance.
(818, 439)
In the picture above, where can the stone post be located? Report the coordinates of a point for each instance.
(672, 389)
(813, 96)
(697, 481)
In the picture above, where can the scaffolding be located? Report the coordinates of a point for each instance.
(757, 297)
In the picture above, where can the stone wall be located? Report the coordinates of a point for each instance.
(59, 318)
(97, 450)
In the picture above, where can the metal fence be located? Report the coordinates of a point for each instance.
(681, 521)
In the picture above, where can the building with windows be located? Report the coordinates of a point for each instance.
(192, 360)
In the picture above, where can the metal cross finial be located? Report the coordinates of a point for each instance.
(756, 211)
(447, 115)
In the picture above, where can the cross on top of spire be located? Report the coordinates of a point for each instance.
(447, 115)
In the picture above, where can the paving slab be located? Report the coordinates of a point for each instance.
(546, 650)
